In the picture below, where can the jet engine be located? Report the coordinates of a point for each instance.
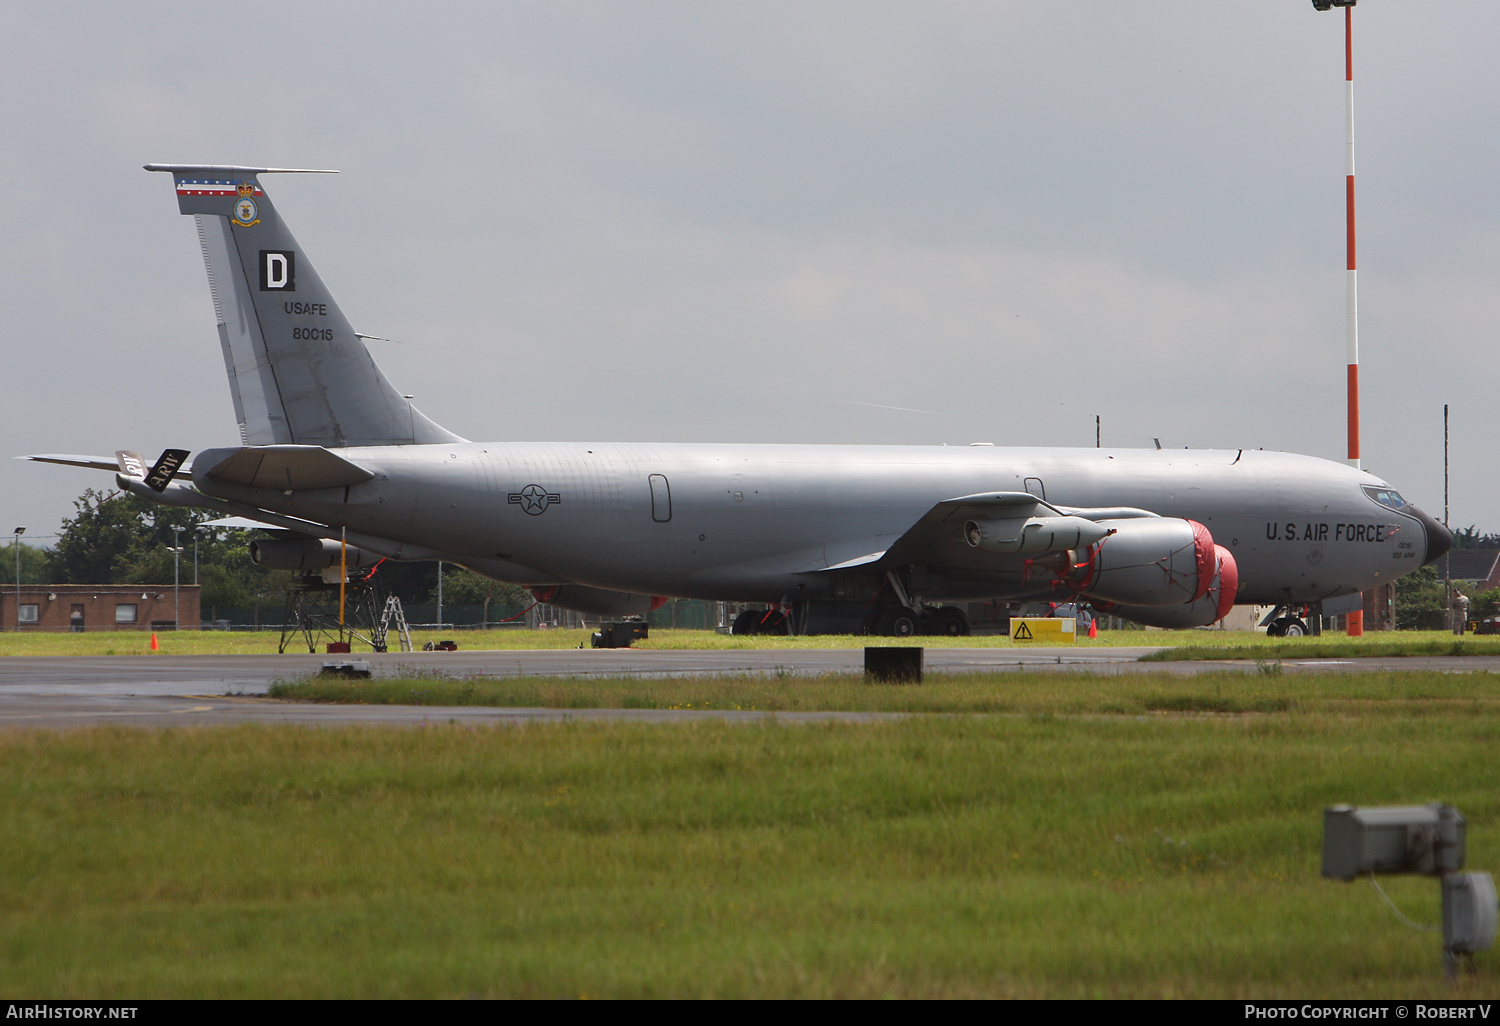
(1034, 534)
(1155, 561)
(306, 554)
(597, 601)
(1213, 606)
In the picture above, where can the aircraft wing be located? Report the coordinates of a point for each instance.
(937, 538)
(940, 529)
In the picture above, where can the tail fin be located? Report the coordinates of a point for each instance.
(297, 371)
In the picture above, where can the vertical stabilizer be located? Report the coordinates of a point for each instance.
(297, 371)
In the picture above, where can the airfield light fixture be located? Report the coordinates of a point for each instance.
(1425, 839)
(18, 532)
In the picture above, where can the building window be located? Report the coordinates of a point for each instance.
(124, 612)
(29, 612)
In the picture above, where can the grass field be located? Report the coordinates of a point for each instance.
(1034, 855)
(1025, 692)
(1191, 644)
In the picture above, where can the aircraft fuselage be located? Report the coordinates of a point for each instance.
(766, 522)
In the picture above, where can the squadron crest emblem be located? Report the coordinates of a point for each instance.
(245, 210)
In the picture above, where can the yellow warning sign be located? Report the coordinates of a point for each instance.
(1043, 628)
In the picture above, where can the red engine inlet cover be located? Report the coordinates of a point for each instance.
(1203, 545)
(1229, 581)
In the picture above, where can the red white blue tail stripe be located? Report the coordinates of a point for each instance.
(213, 186)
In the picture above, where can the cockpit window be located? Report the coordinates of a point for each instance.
(1387, 497)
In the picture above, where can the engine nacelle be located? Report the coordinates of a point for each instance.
(1155, 561)
(306, 554)
(598, 601)
(1211, 608)
(1034, 534)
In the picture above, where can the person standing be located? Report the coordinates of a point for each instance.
(1460, 611)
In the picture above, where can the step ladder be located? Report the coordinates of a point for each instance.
(393, 611)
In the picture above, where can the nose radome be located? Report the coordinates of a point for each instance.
(1439, 538)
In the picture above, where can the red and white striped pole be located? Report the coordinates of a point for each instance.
(1355, 621)
(1349, 213)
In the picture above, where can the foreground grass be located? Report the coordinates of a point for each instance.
(1202, 644)
(931, 856)
(1016, 691)
(1385, 644)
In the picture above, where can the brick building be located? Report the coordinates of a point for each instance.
(99, 607)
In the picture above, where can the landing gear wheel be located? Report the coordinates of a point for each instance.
(775, 622)
(748, 622)
(949, 622)
(898, 622)
(1286, 627)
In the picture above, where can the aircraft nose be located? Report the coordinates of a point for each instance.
(1439, 538)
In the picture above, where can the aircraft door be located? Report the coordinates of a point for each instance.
(661, 499)
(1035, 487)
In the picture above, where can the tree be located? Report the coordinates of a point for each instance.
(1470, 538)
(463, 587)
(117, 538)
(1420, 601)
(99, 539)
(33, 565)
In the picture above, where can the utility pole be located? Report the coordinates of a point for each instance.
(1447, 568)
(440, 595)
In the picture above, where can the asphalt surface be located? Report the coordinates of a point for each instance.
(184, 690)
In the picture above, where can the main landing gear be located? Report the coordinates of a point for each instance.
(892, 621)
(904, 622)
(908, 615)
(762, 621)
(1283, 622)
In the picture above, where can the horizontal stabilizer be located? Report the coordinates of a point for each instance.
(282, 467)
(108, 463)
(236, 169)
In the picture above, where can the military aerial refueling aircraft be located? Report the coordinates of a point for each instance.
(830, 538)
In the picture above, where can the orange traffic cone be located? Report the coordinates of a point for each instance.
(154, 646)
(1093, 628)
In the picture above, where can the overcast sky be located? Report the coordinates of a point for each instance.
(825, 222)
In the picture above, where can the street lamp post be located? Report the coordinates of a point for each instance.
(19, 531)
(176, 578)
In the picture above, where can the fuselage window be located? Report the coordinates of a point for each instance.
(661, 499)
